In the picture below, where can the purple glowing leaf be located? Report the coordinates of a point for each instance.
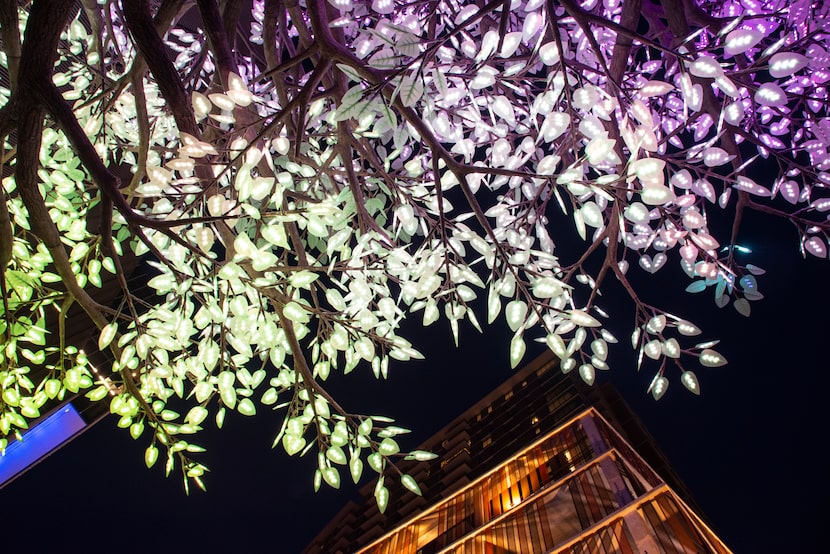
(821, 205)
(741, 40)
(704, 188)
(770, 94)
(748, 185)
(706, 67)
(785, 64)
(655, 88)
(714, 157)
(816, 247)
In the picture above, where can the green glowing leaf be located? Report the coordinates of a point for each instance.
(409, 482)
(107, 334)
(151, 455)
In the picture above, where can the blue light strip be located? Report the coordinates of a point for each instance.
(39, 441)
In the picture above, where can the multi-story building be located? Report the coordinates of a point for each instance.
(544, 463)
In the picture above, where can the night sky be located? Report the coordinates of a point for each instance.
(748, 448)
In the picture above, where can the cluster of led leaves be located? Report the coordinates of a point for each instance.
(405, 160)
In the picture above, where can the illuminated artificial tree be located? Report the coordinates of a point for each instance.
(304, 175)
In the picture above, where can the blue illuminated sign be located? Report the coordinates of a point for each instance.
(39, 441)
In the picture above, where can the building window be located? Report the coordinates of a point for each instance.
(487, 442)
(508, 396)
(534, 420)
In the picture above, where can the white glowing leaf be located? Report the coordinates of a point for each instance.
(547, 287)
(705, 66)
(586, 371)
(510, 43)
(383, 7)
(486, 77)
(488, 45)
(591, 214)
(656, 324)
(554, 125)
(653, 349)
(734, 113)
(517, 350)
(557, 345)
(816, 247)
(201, 105)
(515, 313)
(687, 328)
(656, 195)
(549, 53)
(741, 40)
(785, 64)
(689, 380)
(222, 101)
(671, 348)
(714, 156)
(711, 358)
(655, 88)
(770, 94)
(659, 387)
(583, 319)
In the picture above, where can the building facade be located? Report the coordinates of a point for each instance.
(542, 464)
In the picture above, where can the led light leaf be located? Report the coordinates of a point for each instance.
(784, 64)
(687, 328)
(711, 358)
(292, 444)
(388, 447)
(515, 313)
(586, 371)
(336, 455)
(107, 334)
(356, 468)
(583, 319)
(382, 498)
(376, 462)
(659, 387)
(332, 477)
(151, 455)
(689, 380)
(517, 350)
(409, 482)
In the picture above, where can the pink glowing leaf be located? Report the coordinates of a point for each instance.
(816, 247)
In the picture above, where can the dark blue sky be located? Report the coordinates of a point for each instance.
(748, 448)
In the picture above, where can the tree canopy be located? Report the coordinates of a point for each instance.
(300, 177)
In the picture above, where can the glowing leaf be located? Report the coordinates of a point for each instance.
(741, 40)
(356, 468)
(711, 358)
(515, 313)
(784, 64)
(107, 334)
(586, 371)
(409, 482)
(689, 380)
(816, 247)
(151, 455)
(659, 386)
